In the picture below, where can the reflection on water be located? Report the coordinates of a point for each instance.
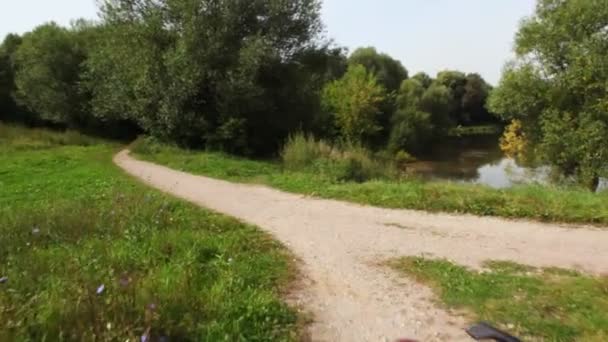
(476, 160)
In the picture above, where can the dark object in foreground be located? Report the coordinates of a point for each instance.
(484, 331)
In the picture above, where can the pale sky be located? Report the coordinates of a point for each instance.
(426, 35)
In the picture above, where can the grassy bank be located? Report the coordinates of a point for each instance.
(88, 253)
(531, 201)
(536, 304)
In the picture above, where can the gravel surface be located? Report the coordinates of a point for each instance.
(351, 297)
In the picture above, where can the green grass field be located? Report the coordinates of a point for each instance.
(537, 202)
(536, 304)
(87, 253)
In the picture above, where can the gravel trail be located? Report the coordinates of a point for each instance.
(340, 244)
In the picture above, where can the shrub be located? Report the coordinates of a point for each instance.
(345, 163)
(147, 145)
(402, 157)
(302, 150)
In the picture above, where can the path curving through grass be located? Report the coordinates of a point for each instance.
(340, 245)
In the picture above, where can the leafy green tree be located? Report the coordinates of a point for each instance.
(48, 66)
(9, 46)
(436, 101)
(424, 79)
(473, 103)
(223, 74)
(422, 115)
(355, 100)
(389, 71)
(456, 82)
(557, 86)
(411, 131)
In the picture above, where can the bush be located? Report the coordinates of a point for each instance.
(302, 150)
(346, 163)
(148, 145)
(402, 157)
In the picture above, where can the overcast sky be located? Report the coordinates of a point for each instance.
(426, 35)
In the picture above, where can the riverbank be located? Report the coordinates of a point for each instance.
(542, 203)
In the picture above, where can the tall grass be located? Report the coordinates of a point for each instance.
(19, 137)
(88, 254)
(341, 163)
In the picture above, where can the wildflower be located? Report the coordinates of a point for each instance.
(35, 231)
(144, 338)
(3, 280)
(124, 280)
(152, 307)
(100, 289)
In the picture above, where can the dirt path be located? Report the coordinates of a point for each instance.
(339, 243)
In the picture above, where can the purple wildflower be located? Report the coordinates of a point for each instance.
(144, 338)
(3, 280)
(100, 289)
(152, 307)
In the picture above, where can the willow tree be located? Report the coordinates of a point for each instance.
(556, 87)
(223, 74)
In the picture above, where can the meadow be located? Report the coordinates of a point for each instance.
(88, 253)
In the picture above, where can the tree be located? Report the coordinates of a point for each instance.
(424, 79)
(436, 101)
(422, 115)
(557, 87)
(355, 101)
(48, 66)
(456, 82)
(220, 74)
(389, 72)
(9, 46)
(473, 102)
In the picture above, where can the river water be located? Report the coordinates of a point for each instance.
(478, 160)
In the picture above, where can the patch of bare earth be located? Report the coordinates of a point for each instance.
(340, 244)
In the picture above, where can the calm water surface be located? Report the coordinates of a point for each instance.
(478, 160)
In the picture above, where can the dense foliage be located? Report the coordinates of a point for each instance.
(237, 76)
(355, 99)
(48, 72)
(234, 75)
(557, 87)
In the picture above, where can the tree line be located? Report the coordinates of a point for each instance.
(241, 76)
